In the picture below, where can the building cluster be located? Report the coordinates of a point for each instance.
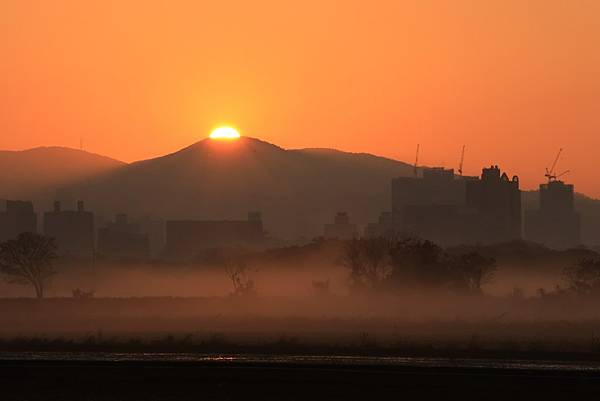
(452, 209)
(188, 238)
(438, 205)
(75, 235)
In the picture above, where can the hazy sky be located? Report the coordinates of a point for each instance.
(514, 80)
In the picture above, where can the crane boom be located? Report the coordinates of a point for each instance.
(462, 160)
(416, 160)
(550, 174)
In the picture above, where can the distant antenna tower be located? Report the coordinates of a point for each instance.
(80, 143)
(462, 160)
(417, 160)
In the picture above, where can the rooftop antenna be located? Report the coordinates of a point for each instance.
(417, 159)
(462, 160)
(550, 172)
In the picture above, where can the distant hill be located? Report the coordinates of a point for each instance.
(296, 190)
(39, 172)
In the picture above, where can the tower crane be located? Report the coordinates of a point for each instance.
(551, 174)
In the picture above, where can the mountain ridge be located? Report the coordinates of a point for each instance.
(300, 188)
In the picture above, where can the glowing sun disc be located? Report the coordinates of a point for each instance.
(224, 133)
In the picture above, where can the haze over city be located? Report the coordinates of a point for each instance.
(281, 200)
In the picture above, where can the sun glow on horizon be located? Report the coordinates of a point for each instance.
(224, 133)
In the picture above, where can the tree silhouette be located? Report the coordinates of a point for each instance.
(368, 260)
(28, 260)
(584, 276)
(473, 270)
(391, 264)
(418, 261)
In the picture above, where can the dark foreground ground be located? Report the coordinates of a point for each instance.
(99, 381)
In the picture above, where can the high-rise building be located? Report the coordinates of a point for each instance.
(18, 217)
(496, 199)
(429, 206)
(123, 240)
(437, 186)
(555, 224)
(73, 230)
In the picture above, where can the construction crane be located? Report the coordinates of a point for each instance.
(561, 174)
(462, 160)
(416, 160)
(551, 172)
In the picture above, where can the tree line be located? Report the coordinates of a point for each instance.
(377, 264)
(387, 264)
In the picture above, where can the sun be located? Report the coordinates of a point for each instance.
(224, 133)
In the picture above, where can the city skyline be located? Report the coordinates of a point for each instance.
(317, 199)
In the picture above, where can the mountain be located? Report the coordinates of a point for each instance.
(39, 172)
(296, 190)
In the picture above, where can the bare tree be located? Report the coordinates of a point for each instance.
(28, 260)
(368, 260)
(237, 271)
(473, 270)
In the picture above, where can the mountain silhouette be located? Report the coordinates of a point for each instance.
(296, 190)
(39, 172)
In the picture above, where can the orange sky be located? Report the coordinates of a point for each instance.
(514, 80)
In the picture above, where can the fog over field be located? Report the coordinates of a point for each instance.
(308, 299)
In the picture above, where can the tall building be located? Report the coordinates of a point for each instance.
(441, 224)
(437, 186)
(18, 217)
(154, 229)
(555, 224)
(429, 206)
(452, 210)
(496, 199)
(72, 229)
(123, 240)
(188, 238)
(341, 228)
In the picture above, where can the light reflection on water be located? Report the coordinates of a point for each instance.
(334, 360)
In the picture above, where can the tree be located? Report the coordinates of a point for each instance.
(392, 264)
(417, 261)
(28, 260)
(368, 260)
(584, 276)
(473, 270)
(236, 267)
